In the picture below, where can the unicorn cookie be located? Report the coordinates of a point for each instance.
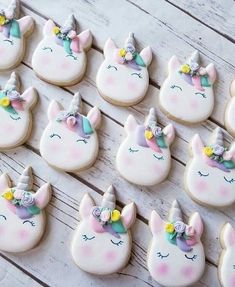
(123, 77)
(187, 93)
(60, 58)
(102, 242)
(144, 157)
(176, 256)
(15, 113)
(12, 35)
(210, 175)
(230, 111)
(70, 142)
(22, 218)
(226, 262)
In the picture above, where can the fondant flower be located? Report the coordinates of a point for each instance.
(122, 52)
(8, 195)
(115, 216)
(194, 66)
(157, 131)
(56, 30)
(179, 226)
(208, 151)
(27, 199)
(2, 20)
(185, 69)
(148, 134)
(169, 227)
(218, 149)
(5, 102)
(128, 56)
(105, 215)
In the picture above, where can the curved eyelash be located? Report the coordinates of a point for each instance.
(3, 216)
(178, 87)
(137, 74)
(201, 94)
(133, 150)
(71, 55)
(194, 257)
(110, 66)
(47, 48)
(85, 142)
(162, 256)
(158, 158)
(28, 221)
(55, 135)
(117, 243)
(9, 41)
(229, 181)
(15, 119)
(202, 174)
(87, 238)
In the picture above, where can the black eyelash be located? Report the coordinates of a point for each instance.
(87, 238)
(110, 66)
(137, 74)
(233, 266)
(85, 141)
(201, 94)
(133, 150)
(201, 174)
(194, 257)
(7, 40)
(3, 216)
(174, 86)
(117, 243)
(28, 221)
(162, 256)
(55, 135)
(15, 119)
(71, 55)
(159, 158)
(47, 48)
(229, 181)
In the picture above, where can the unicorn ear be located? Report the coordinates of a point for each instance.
(128, 215)
(86, 205)
(232, 88)
(48, 28)
(146, 55)
(130, 124)
(43, 196)
(196, 145)
(230, 154)
(85, 40)
(196, 222)
(109, 48)
(30, 97)
(4, 182)
(53, 110)
(173, 64)
(26, 24)
(211, 72)
(227, 236)
(94, 117)
(156, 224)
(169, 131)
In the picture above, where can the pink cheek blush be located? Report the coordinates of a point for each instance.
(201, 186)
(2, 51)
(9, 128)
(128, 160)
(2, 230)
(45, 60)
(23, 234)
(174, 98)
(187, 271)
(109, 80)
(157, 168)
(75, 153)
(232, 281)
(162, 269)
(86, 251)
(54, 147)
(132, 86)
(224, 191)
(110, 256)
(194, 104)
(65, 65)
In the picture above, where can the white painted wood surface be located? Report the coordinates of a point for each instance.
(169, 27)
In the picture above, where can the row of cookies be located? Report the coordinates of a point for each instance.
(102, 241)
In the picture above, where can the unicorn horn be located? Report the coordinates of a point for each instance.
(195, 57)
(130, 43)
(69, 24)
(109, 199)
(217, 137)
(76, 104)
(175, 213)
(151, 119)
(13, 83)
(13, 10)
(26, 180)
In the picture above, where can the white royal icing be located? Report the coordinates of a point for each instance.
(230, 111)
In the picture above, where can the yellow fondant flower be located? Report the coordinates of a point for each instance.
(2, 20)
(208, 151)
(185, 69)
(115, 215)
(169, 227)
(148, 134)
(56, 30)
(8, 195)
(5, 102)
(122, 52)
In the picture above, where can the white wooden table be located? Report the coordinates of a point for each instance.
(169, 27)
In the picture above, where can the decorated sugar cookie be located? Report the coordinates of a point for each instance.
(230, 111)
(70, 142)
(60, 58)
(226, 262)
(15, 113)
(22, 216)
(144, 157)
(123, 77)
(210, 175)
(176, 256)
(12, 35)
(187, 93)
(102, 242)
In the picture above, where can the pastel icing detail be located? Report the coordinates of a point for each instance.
(230, 111)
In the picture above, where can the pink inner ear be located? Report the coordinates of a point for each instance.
(197, 224)
(85, 39)
(43, 196)
(128, 215)
(231, 237)
(156, 223)
(75, 45)
(169, 131)
(146, 55)
(197, 145)
(212, 72)
(94, 117)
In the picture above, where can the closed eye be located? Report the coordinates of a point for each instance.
(3, 216)
(55, 135)
(194, 257)
(30, 222)
(137, 74)
(158, 157)
(176, 87)
(15, 119)
(159, 254)
(47, 48)
(85, 237)
(117, 243)
(201, 94)
(112, 67)
(229, 180)
(9, 41)
(133, 150)
(203, 174)
(233, 266)
(71, 55)
(84, 141)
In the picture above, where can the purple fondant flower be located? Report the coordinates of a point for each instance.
(218, 149)
(27, 199)
(179, 226)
